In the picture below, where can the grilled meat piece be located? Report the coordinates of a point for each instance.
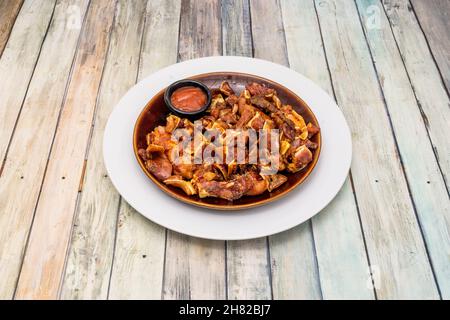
(228, 190)
(160, 167)
(301, 158)
(257, 89)
(226, 89)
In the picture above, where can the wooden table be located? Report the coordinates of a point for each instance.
(66, 233)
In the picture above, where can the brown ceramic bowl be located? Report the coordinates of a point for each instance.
(156, 111)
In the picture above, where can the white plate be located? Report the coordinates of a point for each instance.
(298, 206)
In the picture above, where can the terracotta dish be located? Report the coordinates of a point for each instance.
(155, 112)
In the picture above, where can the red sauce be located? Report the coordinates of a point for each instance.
(188, 98)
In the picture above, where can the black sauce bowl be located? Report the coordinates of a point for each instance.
(186, 83)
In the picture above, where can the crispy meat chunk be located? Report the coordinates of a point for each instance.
(184, 170)
(301, 158)
(225, 88)
(312, 129)
(177, 181)
(311, 145)
(143, 154)
(257, 89)
(232, 100)
(228, 190)
(258, 184)
(262, 103)
(228, 116)
(275, 181)
(160, 167)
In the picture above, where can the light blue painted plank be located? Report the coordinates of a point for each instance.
(341, 255)
(425, 180)
(395, 246)
(293, 264)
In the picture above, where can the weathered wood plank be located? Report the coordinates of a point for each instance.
(339, 243)
(248, 270)
(425, 180)
(248, 267)
(425, 78)
(9, 9)
(24, 45)
(236, 29)
(200, 29)
(162, 25)
(195, 268)
(293, 262)
(140, 245)
(395, 246)
(45, 256)
(89, 263)
(34, 133)
(138, 258)
(268, 32)
(434, 18)
(294, 266)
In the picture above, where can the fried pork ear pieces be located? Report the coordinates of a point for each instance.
(312, 129)
(232, 100)
(160, 137)
(258, 89)
(257, 184)
(172, 123)
(184, 170)
(277, 101)
(300, 159)
(257, 107)
(284, 147)
(152, 148)
(217, 100)
(177, 181)
(222, 169)
(257, 122)
(228, 190)
(226, 89)
(160, 167)
(275, 181)
(143, 154)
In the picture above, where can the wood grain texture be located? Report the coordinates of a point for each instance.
(140, 246)
(89, 263)
(248, 267)
(268, 32)
(425, 79)
(22, 175)
(425, 180)
(9, 9)
(43, 264)
(195, 268)
(293, 262)
(24, 45)
(294, 265)
(160, 41)
(342, 260)
(248, 270)
(434, 19)
(200, 29)
(139, 257)
(236, 28)
(395, 246)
